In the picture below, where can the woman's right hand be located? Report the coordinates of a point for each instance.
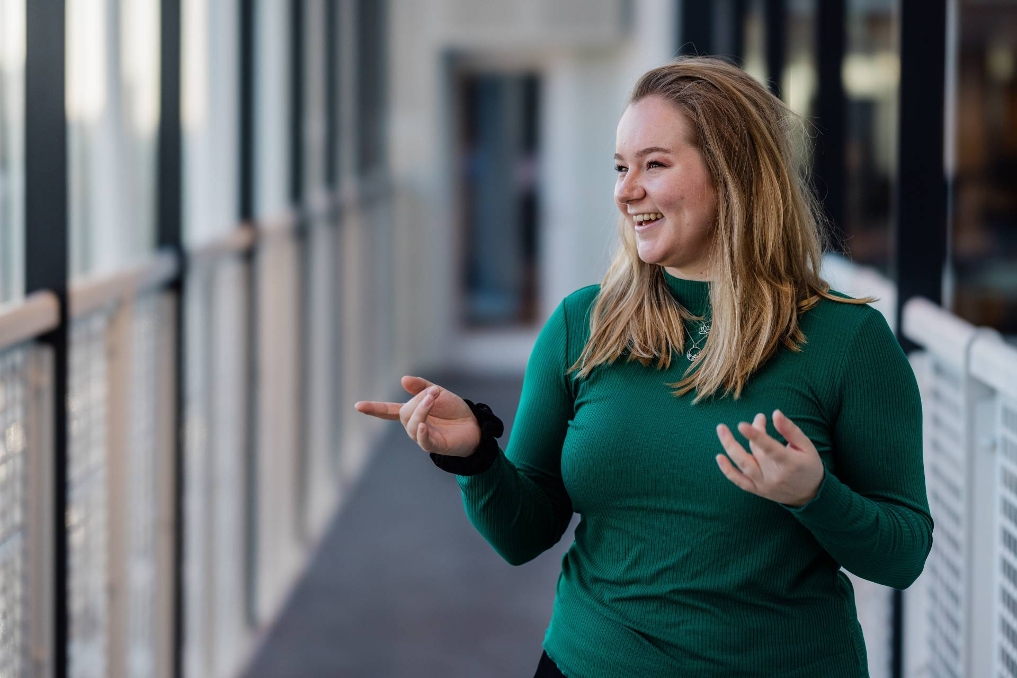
(435, 418)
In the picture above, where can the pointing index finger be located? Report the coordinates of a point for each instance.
(389, 411)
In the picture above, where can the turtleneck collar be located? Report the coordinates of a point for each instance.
(692, 294)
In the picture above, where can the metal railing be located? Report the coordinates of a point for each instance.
(271, 339)
(960, 617)
(966, 601)
(26, 455)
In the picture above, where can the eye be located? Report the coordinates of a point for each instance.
(620, 168)
(654, 163)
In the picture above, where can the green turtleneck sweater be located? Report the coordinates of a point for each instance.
(675, 571)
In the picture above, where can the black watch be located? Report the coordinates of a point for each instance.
(483, 457)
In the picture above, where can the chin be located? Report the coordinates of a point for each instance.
(649, 255)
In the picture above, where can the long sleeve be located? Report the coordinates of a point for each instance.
(520, 504)
(871, 512)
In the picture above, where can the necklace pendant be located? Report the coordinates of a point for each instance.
(693, 354)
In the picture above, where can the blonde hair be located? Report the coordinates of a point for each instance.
(767, 249)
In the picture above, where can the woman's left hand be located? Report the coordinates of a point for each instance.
(788, 474)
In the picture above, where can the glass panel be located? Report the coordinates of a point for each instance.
(12, 148)
(315, 144)
(500, 150)
(798, 82)
(210, 113)
(984, 238)
(754, 31)
(272, 108)
(871, 73)
(371, 66)
(112, 79)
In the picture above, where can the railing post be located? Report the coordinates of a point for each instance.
(46, 255)
(170, 236)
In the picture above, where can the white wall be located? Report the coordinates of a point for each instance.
(587, 71)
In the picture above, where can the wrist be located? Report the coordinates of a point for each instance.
(483, 456)
(811, 496)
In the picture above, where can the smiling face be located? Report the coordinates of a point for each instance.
(664, 188)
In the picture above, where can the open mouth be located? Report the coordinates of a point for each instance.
(647, 219)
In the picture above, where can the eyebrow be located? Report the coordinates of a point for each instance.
(647, 151)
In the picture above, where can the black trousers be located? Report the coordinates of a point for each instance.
(547, 668)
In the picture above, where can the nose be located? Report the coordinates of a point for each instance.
(628, 188)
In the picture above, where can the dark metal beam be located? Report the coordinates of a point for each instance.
(248, 147)
(831, 110)
(741, 10)
(776, 42)
(332, 94)
(695, 27)
(170, 236)
(920, 208)
(246, 110)
(47, 245)
(297, 58)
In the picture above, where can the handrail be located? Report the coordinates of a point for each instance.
(237, 241)
(937, 330)
(994, 362)
(281, 224)
(320, 205)
(29, 318)
(91, 294)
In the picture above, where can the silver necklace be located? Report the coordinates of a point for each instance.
(695, 350)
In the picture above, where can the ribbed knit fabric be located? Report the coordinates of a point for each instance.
(674, 570)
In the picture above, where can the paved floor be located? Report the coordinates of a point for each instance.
(404, 586)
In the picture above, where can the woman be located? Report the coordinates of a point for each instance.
(701, 552)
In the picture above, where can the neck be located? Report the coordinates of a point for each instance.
(694, 295)
(701, 275)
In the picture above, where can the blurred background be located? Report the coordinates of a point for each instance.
(222, 222)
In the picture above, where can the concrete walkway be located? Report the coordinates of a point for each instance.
(403, 586)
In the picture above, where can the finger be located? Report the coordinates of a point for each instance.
(420, 414)
(759, 422)
(423, 437)
(760, 441)
(734, 475)
(381, 410)
(787, 428)
(430, 439)
(414, 385)
(410, 406)
(742, 459)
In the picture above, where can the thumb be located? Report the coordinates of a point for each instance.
(794, 435)
(415, 385)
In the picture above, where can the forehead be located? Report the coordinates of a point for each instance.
(652, 121)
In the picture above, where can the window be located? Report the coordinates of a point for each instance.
(12, 148)
(984, 204)
(112, 71)
(871, 75)
(798, 82)
(272, 108)
(209, 116)
(498, 188)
